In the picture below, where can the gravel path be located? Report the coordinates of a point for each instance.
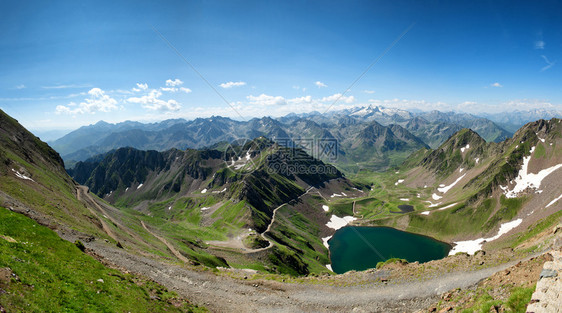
(170, 247)
(225, 294)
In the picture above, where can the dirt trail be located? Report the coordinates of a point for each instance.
(226, 294)
(174, 251)
(236, 243)
(89, 199)
(84, 190)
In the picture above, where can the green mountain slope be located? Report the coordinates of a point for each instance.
(45, 273)
(467, 187)
(260, 173)
(207, 200)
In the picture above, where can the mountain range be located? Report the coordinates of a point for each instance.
(348, 129)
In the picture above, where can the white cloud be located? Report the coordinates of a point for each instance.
(496, 84)
(320, 84)
(548, 63)
(174, 89)
(369, 91)
(152, 101)
(539, 44)
(98, 102)
(22, 86)
(142, 86)
(173, 83)
(264, 99)
(300, 100)
(338, 97)
(232, 84)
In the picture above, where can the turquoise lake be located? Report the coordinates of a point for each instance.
(361, 248)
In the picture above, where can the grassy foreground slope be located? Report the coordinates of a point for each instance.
(41, 272)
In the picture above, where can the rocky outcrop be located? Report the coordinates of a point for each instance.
(547, 297)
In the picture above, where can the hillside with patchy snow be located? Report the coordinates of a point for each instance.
(476, 192)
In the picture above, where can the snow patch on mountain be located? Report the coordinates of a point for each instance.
(471, 246)
(528, 180)
(553, 201)
(339, 222)
(22, 176)
(447, 188)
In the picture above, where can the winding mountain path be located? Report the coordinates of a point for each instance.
(236, 243)
(83, 195)
(170, 247)
(83, 190)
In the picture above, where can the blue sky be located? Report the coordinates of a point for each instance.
(71, 63)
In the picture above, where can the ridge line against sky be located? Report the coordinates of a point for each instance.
(68, 64)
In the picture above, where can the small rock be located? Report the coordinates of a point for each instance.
(494, 309)
(548, 273)
(446, 309)
(479, 253)
(447, 296)
(5, 274)
(100, 280)
(557, 244)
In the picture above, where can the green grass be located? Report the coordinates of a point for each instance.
(342, 208)
(508, 210)
(456, 220)
(295, 230)
(519, 298)
(537, 228)
(50, 193)
(540, 151)
(230, 216)
(53, 275)
(391, 261)
(516, 302)
(255, 241)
